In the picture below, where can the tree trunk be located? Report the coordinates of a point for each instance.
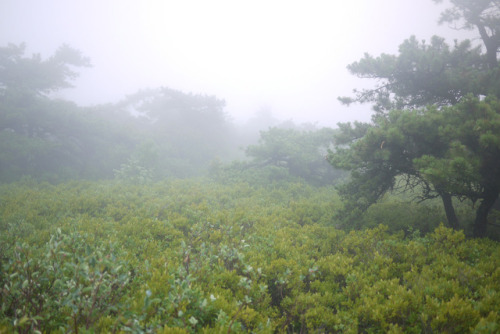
(481, 222)
(496, 206)
(450, 211)
(492, 43)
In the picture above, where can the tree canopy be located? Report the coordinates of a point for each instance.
(156, 132)
(432, 72)
(300, 153)
(434, 133)
(483, 15)
(422, 73)
(35, 75)
(284, 153)
(46, 138)
(187, 130)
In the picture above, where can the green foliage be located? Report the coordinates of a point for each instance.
(186, 130)
(31, 76)
(197, 256)
(133, 172)
(153, 134)
(380, 157)
(50, 139)
(403, 216)
(472, 129)
(283, 154)
(447, 152)
(68, 284)
(165, 132)
(422, 74)
(449, 147)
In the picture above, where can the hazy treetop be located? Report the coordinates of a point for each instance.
(289, 57)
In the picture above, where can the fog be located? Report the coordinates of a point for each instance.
(288, 57)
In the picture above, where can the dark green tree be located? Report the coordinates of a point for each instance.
(470, 166)
(301, 153)
(433, 73)
(432, 152)
(381, 157)
(418, 139)
(423, 74)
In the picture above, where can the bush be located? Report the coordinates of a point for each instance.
(207, 257)
(68, 284)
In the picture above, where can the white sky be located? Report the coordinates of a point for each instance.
(286, 56)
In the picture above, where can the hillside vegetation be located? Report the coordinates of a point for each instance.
(159, 214)
(198, 256)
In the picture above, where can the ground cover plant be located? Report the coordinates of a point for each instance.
(192, 256)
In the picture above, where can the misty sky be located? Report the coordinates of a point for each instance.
(288, 57)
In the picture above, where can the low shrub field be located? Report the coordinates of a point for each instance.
(194, 256)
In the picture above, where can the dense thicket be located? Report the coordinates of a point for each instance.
(196, 256)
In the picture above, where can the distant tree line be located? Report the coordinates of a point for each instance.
(151, 135)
